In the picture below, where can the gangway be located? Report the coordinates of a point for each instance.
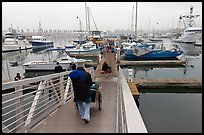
(45, 104)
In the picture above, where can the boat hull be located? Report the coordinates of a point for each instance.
(15, 47)
(81, 52)
(155, 55)
(39, 46)
(44, 67)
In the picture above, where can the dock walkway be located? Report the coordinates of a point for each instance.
(67, 120)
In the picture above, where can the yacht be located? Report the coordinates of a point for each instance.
(50, 65)
(15, 42)
(191, 35)
(40, 43)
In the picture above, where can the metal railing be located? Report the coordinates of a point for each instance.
(27, 102)
(129, 119)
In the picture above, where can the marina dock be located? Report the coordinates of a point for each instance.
(119, 113)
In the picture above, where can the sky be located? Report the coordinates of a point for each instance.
(108, 16)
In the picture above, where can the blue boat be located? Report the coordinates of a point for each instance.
(151, 54)
(40, 43)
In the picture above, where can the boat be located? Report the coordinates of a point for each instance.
(50, 66)
(128, 45)
(96, 37)
(15, 42)
(70, 45)
(86, 49)
(40, 43)
(189, 49)
(83, 49)
(139, 53)
(155, 40)
(191, 35)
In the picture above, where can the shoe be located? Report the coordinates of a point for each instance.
(86, 121)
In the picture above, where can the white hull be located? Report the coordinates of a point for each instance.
(50, 66)
(15, 47)
(44, 66)
(191, 35)
(83, 52)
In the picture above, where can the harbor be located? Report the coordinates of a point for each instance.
(155, 83)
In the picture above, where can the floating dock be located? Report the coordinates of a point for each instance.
(152, 63)
(145, 63)
(163, 83)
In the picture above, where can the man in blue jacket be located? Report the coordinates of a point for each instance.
(82, 83)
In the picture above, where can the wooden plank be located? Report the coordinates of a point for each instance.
(133, 89)
(150, 82)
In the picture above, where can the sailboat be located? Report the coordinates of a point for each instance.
(136, 52)
(84, 49)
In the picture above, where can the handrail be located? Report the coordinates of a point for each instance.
(27, 102)
(129, 119)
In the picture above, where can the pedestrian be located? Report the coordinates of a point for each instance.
(72, 66)
(18, 77)
(105, 69)
(58, 68)
(82, 82)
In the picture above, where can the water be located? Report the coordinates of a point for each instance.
(161, 112)
(172, 112)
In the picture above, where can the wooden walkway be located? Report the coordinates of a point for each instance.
(67, 120)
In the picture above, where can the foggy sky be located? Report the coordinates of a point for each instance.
(107, 15)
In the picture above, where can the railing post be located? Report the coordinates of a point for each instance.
(19, 109)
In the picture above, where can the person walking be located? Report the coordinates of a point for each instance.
(82, 83)
(105, 69)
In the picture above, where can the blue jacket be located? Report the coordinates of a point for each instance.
(82, 83)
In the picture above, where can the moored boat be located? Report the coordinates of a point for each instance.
(138, 53)
(40, 43)
(50, 66)
(15, 43)
(86, 49)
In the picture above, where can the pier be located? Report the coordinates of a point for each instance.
(36, 112)
(119, 113)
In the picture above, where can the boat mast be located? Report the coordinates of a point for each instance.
(132, 22)
(86, 21)
(136, 22)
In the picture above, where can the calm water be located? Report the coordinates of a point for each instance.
(161, 112)
(172, 112)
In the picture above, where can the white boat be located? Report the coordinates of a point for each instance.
(13, 42)
(86, 49)
(191, 35)
(50, 66)
(40, 43)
